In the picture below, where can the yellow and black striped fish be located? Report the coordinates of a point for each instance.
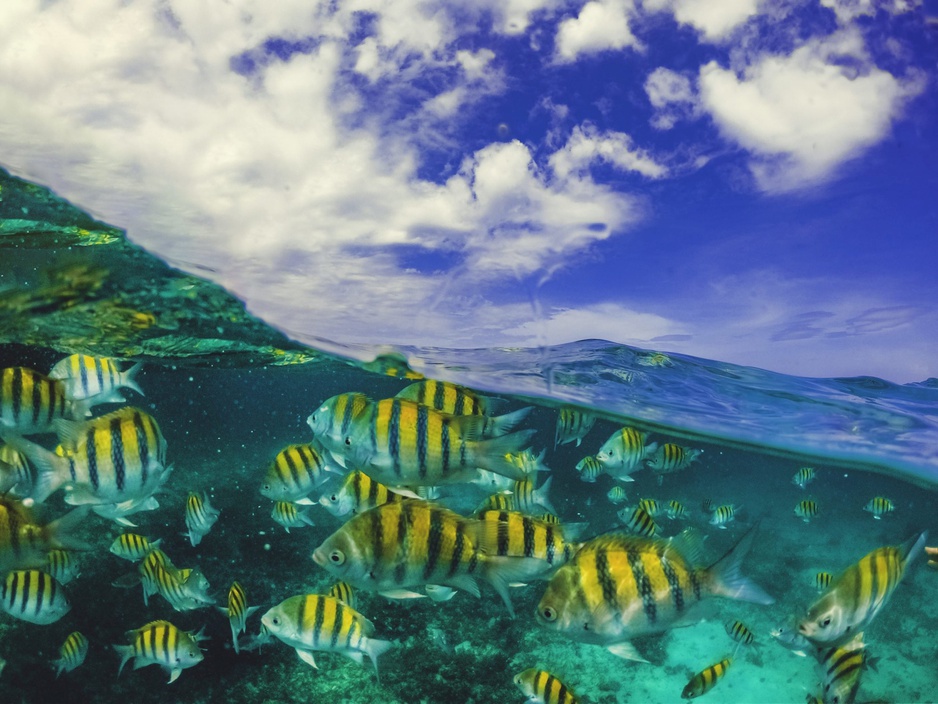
(133, 547)
(510, 534)
(296, 471)
(739, 631)
(618, 587)
(638, 521)
(803, 477)
(24, 543)
(541, 687)
(72, 653)
(95, 379)
(822, 580)
(335, 420)
(62, 565)
(590, 468)
(447, 397)
(671, 458)
(397, 546)
(287, 515)
(30, 401)
(502, 501)
(161, 643)
(841, 669)
(622, 453)
(237, 611)
(531, 500)
(401, 442)
(807, 509)
(617, 494)
(310, 622)
(200, 516)
(724, 514)
(184, 589)
(704, 681)
(33, 596)
(573, 424)
(358, 493)
(15, 473)
(879, 506)
(676, 509)
(652, 507)
(117, 458)
(859, 593)
(344, 592)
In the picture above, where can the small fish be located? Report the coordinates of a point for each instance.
(739, 632)
(879, 506)
(161, 643)
(859, 593)
(590, 468)
(572, 425)
(200, 516)
(787, 636)
(707, 506)
(676, 509)
(310, 622)
(344, 592)
(297, 471)
(652, 507)
(119, 512)
(806, 509)
(72, 653)
(528, 462)
(803, 477)
(439, 593)
(671, 458)
(62, 565)
(704, 681)
(96, 380)
(30, 401)
(822, 580)
(16, 477)
(33, 596)
(24, 543)
(724, 514)
(617, 495)
(133, 547)
(531, 500)
(638, 521)
(287, 515)
(184, 589)
(624, 451)
(541, 687)
(358, 493)
(841, 669)
(237, 611)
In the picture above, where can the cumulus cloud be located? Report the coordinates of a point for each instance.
(617, 323)
(715, 21)
(587, 145)
(672, 95)
(804, 114)
(601, 25)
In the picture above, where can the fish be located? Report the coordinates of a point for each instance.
(119, 512)
(33, 596)
(397, 546)
(344, 592)
(297, 471)
(652, 507)
(62, 565)
(24, 543)
(529, 463)
(16, 476)
(511, 534)
(704, 681)
(403, 442)
(502, 501)
(739, 632)
(671, 457)
(617, 494)
(132, 546)
(116, 458)
(676, 509)
(590, 468)
(787, 636)
(624, 451)
(541, 687)
(572, 425)
(806, 509)
(619, 587)
(96, 380)
(335, 419)
(492, 482)
(439, 593)
(237, 611)
(161, 643)
(803, 477)
(638, 521)
(30, 402)
(822, 580)
(724, 514)
(185, 589)
(310, 622)
(841, 669)
(879, 506)
(287, 515)
(457, 400)
(531, 500)
(72, 653)
(707, 506)
(859, 594)
(200, 516)
(358, 493)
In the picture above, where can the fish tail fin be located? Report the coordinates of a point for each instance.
(375, 648)
(490, 454)
(541, 499)
(126, 652)
(726, 577)
(502, 572)
(504, 424)
(650, 450)
(913, 547)
(128, 378)
(61, 533)
(51, 469)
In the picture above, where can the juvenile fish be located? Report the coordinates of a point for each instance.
(96, 380)
(590, 468)
(624, 451)
(637, 520)
(739, 632)
(671, 457)
(841, 669)
(724, 514)
(531, 500)
(617, 495)
(133, 547)
(161, 643)
(200, 516)
(541, 687)
(803, 477)
(33, 596)
(879, 506)
(358, 493)
(287, 515)
(297, 471)
(806, 509)
(823, 580)
(237, 611)
(676, 509)
(62, 565)
(572, 425)
(72, 653)
(704, 681)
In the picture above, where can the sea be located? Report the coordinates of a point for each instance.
(229, 393)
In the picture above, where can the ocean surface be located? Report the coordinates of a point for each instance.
(230, 393)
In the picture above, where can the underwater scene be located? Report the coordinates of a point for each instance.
(196, 508)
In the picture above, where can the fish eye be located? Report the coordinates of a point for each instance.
(266, 487)
(275, 620)
(348, 441)
(549, 614)
(826, 622)
(337, 557)
(333, 498)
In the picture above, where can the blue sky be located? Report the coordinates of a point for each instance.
(741, 180)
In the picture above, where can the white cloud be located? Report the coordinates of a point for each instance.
(587, 145)
(849, 10)
(609, 321)
(602, 25)
(804, 114)
(672, 95)
(714, 19)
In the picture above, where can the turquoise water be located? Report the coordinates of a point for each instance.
(223, 426)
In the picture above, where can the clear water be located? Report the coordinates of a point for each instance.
(225, 415)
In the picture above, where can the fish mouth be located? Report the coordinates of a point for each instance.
(319, 558)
